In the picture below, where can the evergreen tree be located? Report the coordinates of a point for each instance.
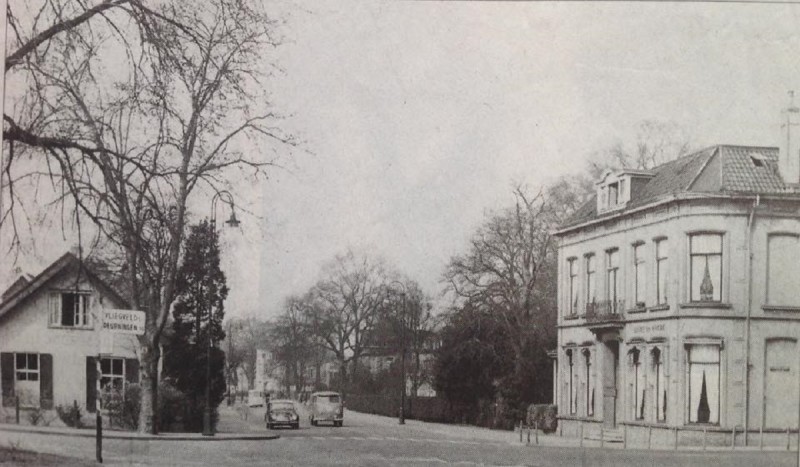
(197, 323)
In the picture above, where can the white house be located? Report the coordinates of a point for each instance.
(50, 339)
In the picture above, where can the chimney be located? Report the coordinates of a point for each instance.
(789, 161)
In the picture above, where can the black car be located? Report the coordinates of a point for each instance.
(282, 412)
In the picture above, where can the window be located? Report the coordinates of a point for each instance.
(704, 384)
(783, 269)
(27, 366)
(573, 286)
(637, 384)
(69, 309)
(112, 373)
(659, 385)
(587, 355)
(662, 271)
(571, 386)
(705, 256)
(612, 278)
(638, 275)
(590, 280)
(613, 194)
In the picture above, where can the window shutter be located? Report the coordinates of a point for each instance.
(46, 381)
(7, 378)
(55, 305)
(132, 370)
(91, 384)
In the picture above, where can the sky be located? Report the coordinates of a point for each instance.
(417, 117)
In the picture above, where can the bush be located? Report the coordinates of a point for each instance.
(70, 414)
(544, 416)
(36, 416)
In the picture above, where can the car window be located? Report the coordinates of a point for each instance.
(282, 406)
(330, 399)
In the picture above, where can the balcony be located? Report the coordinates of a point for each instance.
(605, 315)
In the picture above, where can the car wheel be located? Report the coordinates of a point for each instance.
(296, 426)
(269, 426)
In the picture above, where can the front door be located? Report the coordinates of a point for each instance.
(781, 384)
(610, 351)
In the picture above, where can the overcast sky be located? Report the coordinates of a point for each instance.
(417, 117)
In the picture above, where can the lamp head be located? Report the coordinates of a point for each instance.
(233, 221)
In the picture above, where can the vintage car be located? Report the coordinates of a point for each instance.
(282, 412)
(326, 406)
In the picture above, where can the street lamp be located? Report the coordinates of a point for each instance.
(402, 416)
(208, 430)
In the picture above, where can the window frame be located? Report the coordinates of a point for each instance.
(659, 377)
(612, 271)
(639, 283)
(689, 363)
(768, 289)
(662, 269)
(692, 255)
(82, 315)
(27, 371)
(572, 393)
(591, 278)
(637, 372)
(589, 396)
(572, 286)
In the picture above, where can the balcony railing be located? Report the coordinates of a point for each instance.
(605, 311)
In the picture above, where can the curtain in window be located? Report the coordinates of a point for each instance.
(704, 384)
(706, 264)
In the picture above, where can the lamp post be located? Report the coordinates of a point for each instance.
(208, 430)
(402, 416)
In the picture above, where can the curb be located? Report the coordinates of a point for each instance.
(140, 437)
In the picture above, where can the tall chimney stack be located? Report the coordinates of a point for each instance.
(789, 161)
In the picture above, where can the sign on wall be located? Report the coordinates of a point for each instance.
(123, 321)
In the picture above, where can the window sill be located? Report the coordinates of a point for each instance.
(570, 317)
(716, 305)
(662, 307)
(794, 309)
(636, 310)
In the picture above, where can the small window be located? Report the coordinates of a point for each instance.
(27, 366)
(70, 309)
(613, 194)
(112, 373)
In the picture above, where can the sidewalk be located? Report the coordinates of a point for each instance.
(231, 426)
(546, 440)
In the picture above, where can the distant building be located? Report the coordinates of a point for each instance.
(50, 339)
(678, 298)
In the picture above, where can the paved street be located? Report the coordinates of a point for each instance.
(372, 440)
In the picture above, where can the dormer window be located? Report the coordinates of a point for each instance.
(615, 190)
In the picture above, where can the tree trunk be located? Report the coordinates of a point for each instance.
(148, 367)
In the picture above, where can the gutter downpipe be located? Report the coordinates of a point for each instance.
(746, 369)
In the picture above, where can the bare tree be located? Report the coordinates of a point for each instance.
(292, 342)
(126, 148)
(345, 306)
(510, 270)
(656, 142)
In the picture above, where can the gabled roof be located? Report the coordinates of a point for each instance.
(721, 169)
(67, 262)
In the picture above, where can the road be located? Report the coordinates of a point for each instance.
(367, 440)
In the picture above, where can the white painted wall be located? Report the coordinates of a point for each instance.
(25, 329)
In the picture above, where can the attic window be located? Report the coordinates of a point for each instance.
(758, 159)
(613, 194)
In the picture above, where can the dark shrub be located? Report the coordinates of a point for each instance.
(544, 416)
(70, 414)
